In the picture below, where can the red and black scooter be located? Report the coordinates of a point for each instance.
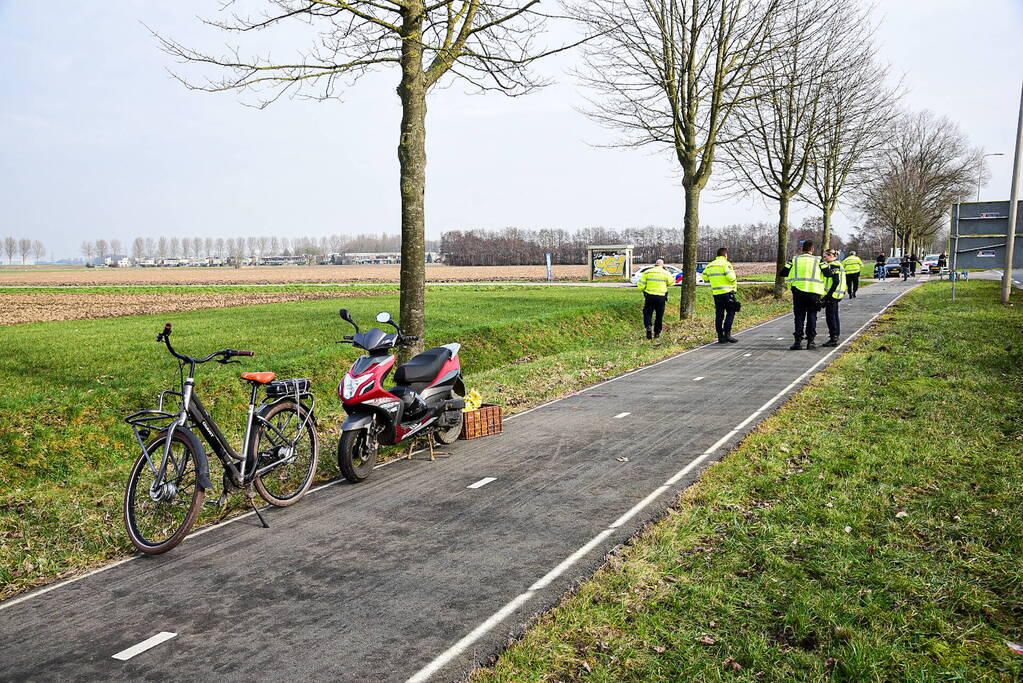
(426, 398)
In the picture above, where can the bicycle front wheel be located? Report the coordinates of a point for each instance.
(294, 446)
(159, 512)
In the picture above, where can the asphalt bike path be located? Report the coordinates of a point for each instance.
(426, 570)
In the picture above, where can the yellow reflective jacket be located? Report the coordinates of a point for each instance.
(655, 281)
(805, 274)
(852, 264)
(721, 276)
(840, 288)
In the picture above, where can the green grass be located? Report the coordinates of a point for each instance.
(870, 531)
(68, 385)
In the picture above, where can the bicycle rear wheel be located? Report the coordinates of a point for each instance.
(279, 439)
(159, 514)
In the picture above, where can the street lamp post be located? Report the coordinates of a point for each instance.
(980, 171)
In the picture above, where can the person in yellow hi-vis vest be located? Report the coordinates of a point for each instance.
(721, 276)
(834, 292)
(803, 274)
(654, 283)
(852, 265)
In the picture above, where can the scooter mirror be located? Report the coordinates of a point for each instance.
(345, 315)
(383, 317)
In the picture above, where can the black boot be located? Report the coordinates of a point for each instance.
(810, 344)
(832, 341)
(721, 339)
(649, 333)
(731, 340)
(797, 345)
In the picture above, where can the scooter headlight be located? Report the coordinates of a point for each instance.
(350, 386)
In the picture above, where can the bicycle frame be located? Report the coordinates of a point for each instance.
(193, 409)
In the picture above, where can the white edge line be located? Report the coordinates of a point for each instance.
(147, 644)
(445, 657)
(481, 483)
(621, 415)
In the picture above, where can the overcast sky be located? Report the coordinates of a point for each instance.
(99, 142)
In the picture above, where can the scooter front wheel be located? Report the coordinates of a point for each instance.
(357, 455)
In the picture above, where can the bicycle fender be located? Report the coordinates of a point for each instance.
(357, 421)
(202, 463)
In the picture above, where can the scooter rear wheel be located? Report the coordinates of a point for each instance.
(451, 434)
(356, 455)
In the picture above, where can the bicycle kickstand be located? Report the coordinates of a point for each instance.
(251, 495)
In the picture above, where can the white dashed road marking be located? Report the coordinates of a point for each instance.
(148, 643)
(746, 355)
(482, 482)
(621, 415)
(697, 379)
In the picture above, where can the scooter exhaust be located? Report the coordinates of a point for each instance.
(453, 404)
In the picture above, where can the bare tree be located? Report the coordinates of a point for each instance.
(24, 248)
(858, 111)
(87, 248)
(671, 73)
(263, 243)
(10, 247)
(207, 247)
(115, 247)
(150, 248)
(927, 166)
(138, 249)
(775, 133)
(487, 43)
(38, 251)
(162, 248)
(186, 247)
(102, 250)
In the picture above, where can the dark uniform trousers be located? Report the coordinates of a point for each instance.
(852, 281)
(723, 314)
(831, 317)
(804, 307)
(653, 311)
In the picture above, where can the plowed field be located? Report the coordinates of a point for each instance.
(44, 306)
(276, 275)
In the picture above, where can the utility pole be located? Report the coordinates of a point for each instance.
(1010, 233)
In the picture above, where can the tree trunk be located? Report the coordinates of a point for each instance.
(783, 246)
(690, 236)
(412, 162)
(826, 238)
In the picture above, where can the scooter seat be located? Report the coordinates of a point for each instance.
(423, 367)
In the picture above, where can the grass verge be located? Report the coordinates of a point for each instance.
(66, 451)
(870, 530)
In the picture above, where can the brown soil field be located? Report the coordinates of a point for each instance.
(276, 275)
(43, 307)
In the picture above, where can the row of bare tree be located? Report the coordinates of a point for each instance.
(24, 247)
(256, 247)
(515, 246)
(786, 96)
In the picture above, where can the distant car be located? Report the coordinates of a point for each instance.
(930, 264)
(893, 266)
(674, 270)
(700, 265)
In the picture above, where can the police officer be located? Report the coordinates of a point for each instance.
(852, 265)
(803, 275)
(834, 291)
(654, 283)
(721, 276)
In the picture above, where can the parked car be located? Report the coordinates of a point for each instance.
(930, 264)
(674, 270)
(893, 266)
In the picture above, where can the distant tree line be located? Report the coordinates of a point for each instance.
(254, 247)
(23, 247)
(515, 246)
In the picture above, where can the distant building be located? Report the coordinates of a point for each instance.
(284, 260)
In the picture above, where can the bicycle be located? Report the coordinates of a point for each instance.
(167, 486)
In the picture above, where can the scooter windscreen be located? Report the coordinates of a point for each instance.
(375, 340)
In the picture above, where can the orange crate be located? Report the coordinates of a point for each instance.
(482, 422)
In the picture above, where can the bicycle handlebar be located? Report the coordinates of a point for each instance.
(224, 354)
